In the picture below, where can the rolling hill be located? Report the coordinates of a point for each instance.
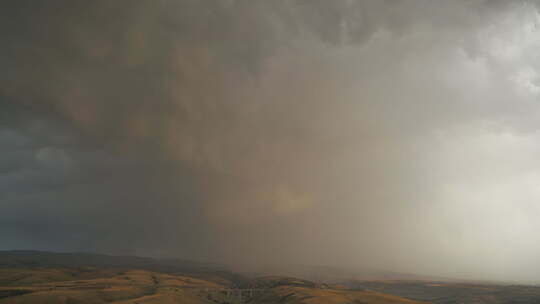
(28, 277)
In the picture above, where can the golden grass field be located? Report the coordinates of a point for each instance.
(303, 295)
(99, 286)
(94, 286)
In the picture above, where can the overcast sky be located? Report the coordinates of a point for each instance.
(401, 135)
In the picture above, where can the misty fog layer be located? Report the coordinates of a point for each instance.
(400, 135)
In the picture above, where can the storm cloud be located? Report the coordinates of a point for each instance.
(398, 135)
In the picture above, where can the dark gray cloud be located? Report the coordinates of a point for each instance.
(347, 133)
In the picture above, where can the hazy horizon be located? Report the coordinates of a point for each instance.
(401, 135)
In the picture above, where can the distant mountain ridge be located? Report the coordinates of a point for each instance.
(34, 258)
(332, 275)
(343, 276)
